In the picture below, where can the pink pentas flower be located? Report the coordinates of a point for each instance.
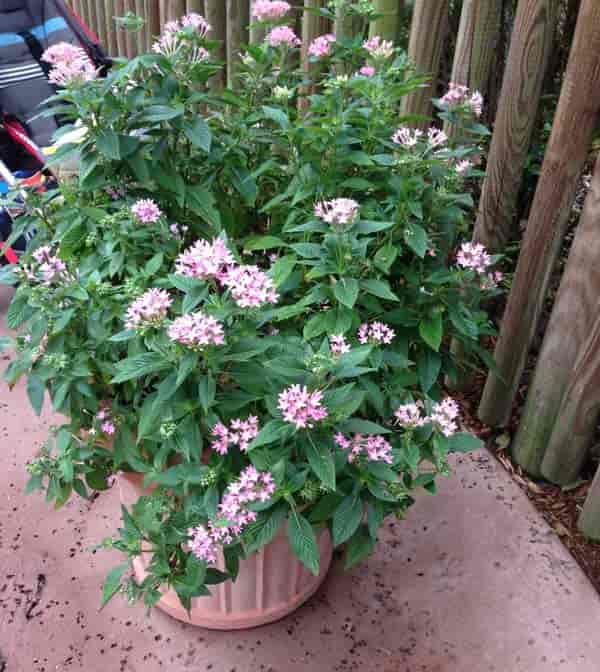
(301, 407)
(146, 211)
(463, 167)
(204, 260)
(372, 448)
(283, 36)
(406, 137)
(444, 415)
(367, 71)
(196, 330)
(250, 287)
(269, 10)
(491, 280)
(411, 415)
(240, 433)
(70, 65)
(376, 333)
(53, 270)
(436, 138)
(150, 309)
(320, 47)
(473, 256)
(458, 96)
(197, 23)
(379, 48)
(339, 345)
(108, 428)
(337, 211)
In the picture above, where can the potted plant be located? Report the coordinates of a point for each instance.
(243, 307)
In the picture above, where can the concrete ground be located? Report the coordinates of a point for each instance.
(472, 581)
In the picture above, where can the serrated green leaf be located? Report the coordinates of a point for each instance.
(432, 331)
(140, 365)
(380, 288)
(303, 542)
(198, 133)
(345, 291)
(112, 582)
(321, 462)
(346, 519)
(35, 392)
(360, 546)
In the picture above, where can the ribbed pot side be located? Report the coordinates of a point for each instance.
(271, 583)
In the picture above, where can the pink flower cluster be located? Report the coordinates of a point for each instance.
(491, 280)
(170, 41)
(410, 415)
(458, 96)
(375, 332)
(337, 211)
(252, 486)
(150, 309)
(473, 257)
(204, 260)
(463, 167)
(240, 433)
(107, 425)
(283, 36)
(146, 211)
(339, 345)
(444, 415)
(53, 269)
(436, 137)
(197, 23)
(406, 137)
(250, 287)
(196, 330)
(367, 71)
(301, 407)
(379, 48)
(375, 448)
(269, 10)
(321, 46)
(70, 64)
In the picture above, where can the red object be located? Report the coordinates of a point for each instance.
(10, 255)
(19, 135)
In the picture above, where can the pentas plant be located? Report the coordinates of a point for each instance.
(248, 298)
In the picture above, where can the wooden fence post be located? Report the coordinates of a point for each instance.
(119, 10)
(388, 26)
(216, 15)
(589, 520)
(111, 31)
(427, 31)
(152, 22)
(528, 56)
(194, 6)
(476, 44)
(574, 121)
(238, 18)
(257, 35)
(559, 378)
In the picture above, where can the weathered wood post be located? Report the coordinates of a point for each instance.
(565, 155)
(427, 32)
(257, 35)
(119, 10)
(388, 26)
(238, 18)
(194, 6)
(111, 33)
(476, 44)
(560, 437)
(216, 14)
(152, 22)
(589, 520)
(528, 57)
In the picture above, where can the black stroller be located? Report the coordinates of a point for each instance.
(27, 29)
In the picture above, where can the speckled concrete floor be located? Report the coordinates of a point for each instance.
(472, 581)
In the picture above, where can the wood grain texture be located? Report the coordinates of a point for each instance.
(152, 9)
(528, 57)
(565, 155)
(427, 33)
(194, 6)
(111, 30)
(257, 35)
(388, 26)
(130, 38)
(238, 18)
(119, 10)
(176, 9)
(215, 12)
(589, 520)
(543, 429)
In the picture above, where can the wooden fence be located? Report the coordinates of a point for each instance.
(562, 409)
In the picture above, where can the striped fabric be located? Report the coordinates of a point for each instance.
(15, 74)
(42, 32)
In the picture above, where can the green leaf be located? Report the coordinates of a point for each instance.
(432, 331)
(380, 288)
(463, 443)
(140, 365)
(358, 426)
(116, 146)
(303, 542)
(346, 519)
(273, 431)
(187, 364)
(263, 243)
(428, 368)
(321, 462)
(202, 202)
(113, 582)
(35, 392)
(265, 529)
(6, 343)
(198, 133)
(282, 269)
(385, 257)
(156, 113)
(361, 545)
(276, 115)
(416, 238)
(206, 392)
(345, 291)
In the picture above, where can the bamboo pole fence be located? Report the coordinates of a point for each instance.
(562, 410)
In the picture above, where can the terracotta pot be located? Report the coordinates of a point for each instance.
(271, 583)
